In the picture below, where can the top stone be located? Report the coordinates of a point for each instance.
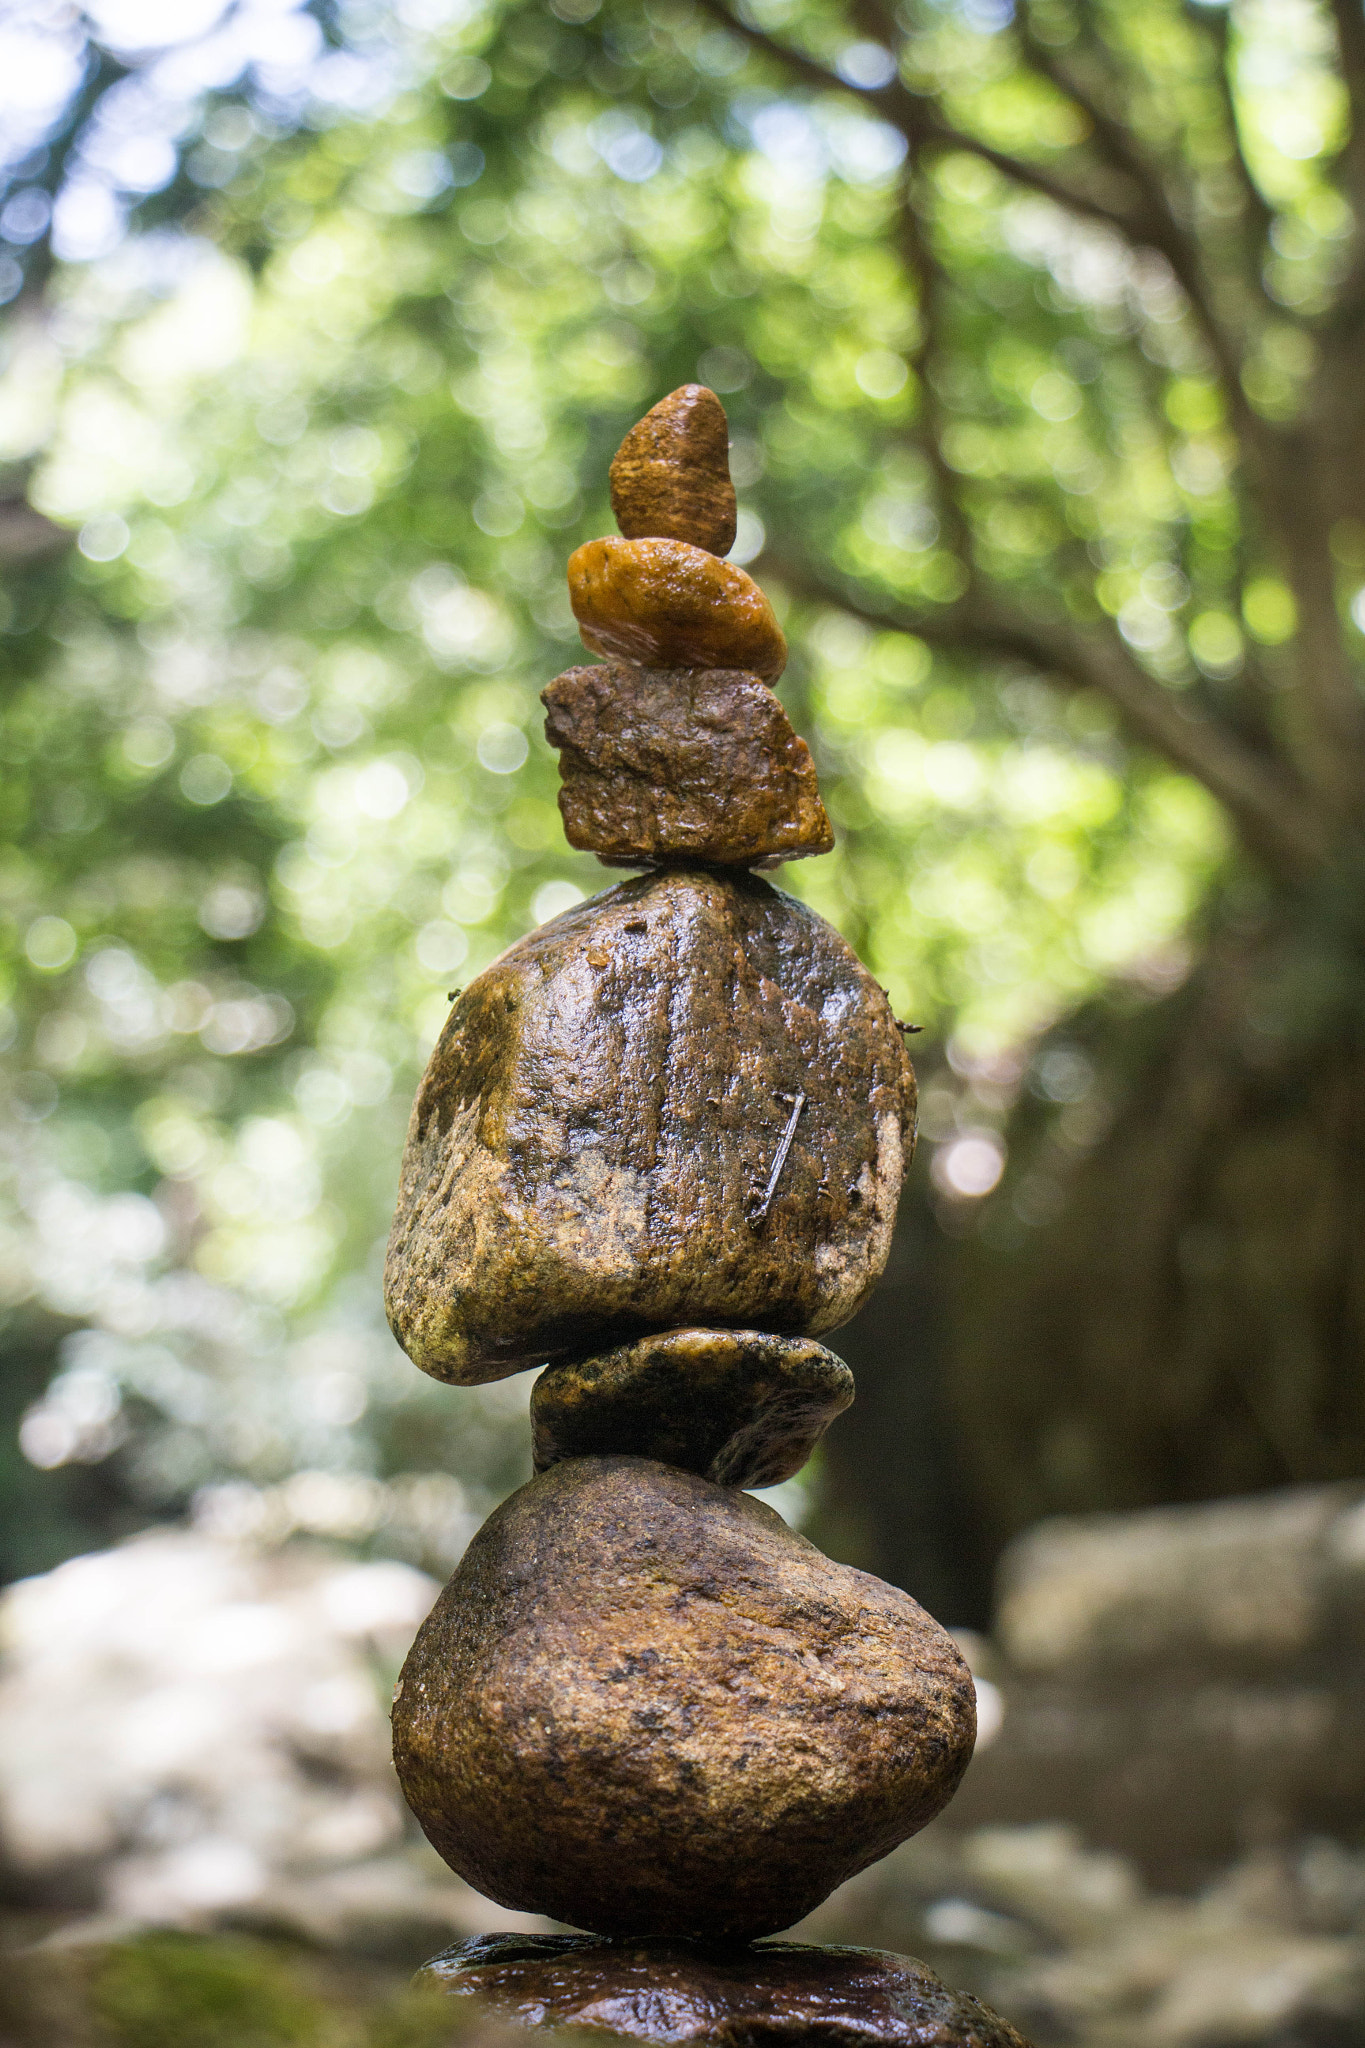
(670, 479)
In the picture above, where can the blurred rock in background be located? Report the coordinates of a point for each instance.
(1184, 1683)
(194, 1733)
(1068, 1943)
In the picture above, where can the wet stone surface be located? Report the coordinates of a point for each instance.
(666, 604)
(604, 1109)
(701, 764)
(671, 474)
(643, 1705)
(737, 1406)
(772, 1992)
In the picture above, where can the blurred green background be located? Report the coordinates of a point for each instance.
(1039, 334)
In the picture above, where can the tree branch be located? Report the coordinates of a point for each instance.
(102, 71)
(931, 281)
(1216, 24)
(1163, 722)
(1268, 810)
(919, 123)
(1156, 222)
(1326, 745)
(877, 21)
(1349, 17)
(1146, 226)
(1345, 321)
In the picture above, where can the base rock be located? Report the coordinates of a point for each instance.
(772, 1993)
(603, 1111)
(738, 1406)
(644, 1705)
(668, 764)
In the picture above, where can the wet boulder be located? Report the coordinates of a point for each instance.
(683, 1102)
(645, 1706)
(738, 1406)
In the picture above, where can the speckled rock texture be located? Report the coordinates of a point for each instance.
(671, 474)
(644, 1705)
(666, 604)
(691, 764)
(740, 1407)
(602, 1114)
(772, 1993)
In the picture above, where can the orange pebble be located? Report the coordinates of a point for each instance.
(666, 604)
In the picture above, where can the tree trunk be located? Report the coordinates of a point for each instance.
(1190, 1320)
(893, 1498)
(1166, 1298)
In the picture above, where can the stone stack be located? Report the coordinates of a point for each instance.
(658, 1151)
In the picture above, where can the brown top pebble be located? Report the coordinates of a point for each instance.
(666, 604)
(671, 475)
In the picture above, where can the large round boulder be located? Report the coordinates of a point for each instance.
(645, 1706)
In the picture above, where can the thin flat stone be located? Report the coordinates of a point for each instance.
(644, 1705)
(666, 604)
(740, 1407)
(691, 764)
(671, 475)
(601, 1117)
(774, 1992)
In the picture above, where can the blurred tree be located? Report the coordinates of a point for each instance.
(1035, 336)
(1190, 1318)
(1167, 1296)
(123, 114)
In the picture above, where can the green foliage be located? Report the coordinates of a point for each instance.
(177, 1991)
(273, 777)
(166, 1989)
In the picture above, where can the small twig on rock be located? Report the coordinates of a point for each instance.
(757, 1214)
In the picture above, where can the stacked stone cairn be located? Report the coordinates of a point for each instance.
(659, 1145)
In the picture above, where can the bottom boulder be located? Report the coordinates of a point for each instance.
(645, 1706)
(775, 1992)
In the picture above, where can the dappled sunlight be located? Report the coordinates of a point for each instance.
(321, 327)
(332, 493)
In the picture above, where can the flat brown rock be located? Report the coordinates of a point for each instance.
(671, 474)
(772, 1992)
(739, 1407)
(666, 604)
(602, 1115)
(668, 764)
(644, 1705)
